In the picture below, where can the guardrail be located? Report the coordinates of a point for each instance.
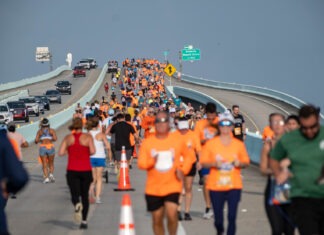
(59, 119)
(28, 81)
(253, 141)
(289, 99)
(13, 96)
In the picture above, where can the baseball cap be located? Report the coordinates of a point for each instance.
(226, 116)
(172, 110)
(183, 124)
(111, 112)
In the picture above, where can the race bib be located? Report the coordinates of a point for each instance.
(164, 160)
(225, 177)
(237, 131)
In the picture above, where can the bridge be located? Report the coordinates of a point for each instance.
(46, 209)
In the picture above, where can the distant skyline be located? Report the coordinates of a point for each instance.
(274, 44)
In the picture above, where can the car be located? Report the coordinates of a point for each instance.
(45, 100)
(85, 64)
(64, 87)
(53, 96)
(112, 66)
(32, 106)
(93, 62)
(79, 71)
(19, 110)
(5, 115)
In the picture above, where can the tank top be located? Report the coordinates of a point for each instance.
(46, 134)
(79, 156)
(99, 144)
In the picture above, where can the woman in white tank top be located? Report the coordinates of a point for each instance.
(98, 159)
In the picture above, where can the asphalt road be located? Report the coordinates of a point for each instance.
(46, 209)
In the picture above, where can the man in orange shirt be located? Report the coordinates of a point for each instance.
(224, 155)
(148, 123)
(160, 155)
(206, 129)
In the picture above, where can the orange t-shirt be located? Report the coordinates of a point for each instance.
(204, 131)
(228, 177)
(191, 140)
(148, 126)
(267, 133)
(132, 137)
(160, 158)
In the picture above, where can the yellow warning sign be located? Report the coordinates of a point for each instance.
(170, 70)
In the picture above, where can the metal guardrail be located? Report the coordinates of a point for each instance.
(59, 119)
(253, 141)
(28, 81)
(288, 99)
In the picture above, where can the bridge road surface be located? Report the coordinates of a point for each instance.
(46, 209)
(80, 85)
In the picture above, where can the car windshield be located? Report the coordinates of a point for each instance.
(28, 100)
(52, 92)
(78, 67)
(3, 108)
(83, 61)
(16, 105)
(63, 83)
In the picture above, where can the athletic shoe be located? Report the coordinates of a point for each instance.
(208, 215)
(83, 225)
(78, 213)
(46, 181)
(179, 216)
(98, 201)
(51, 177)
(187, 216)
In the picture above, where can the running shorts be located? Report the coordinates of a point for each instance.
(153, 203)
(193, 170)
(98, 162)
(45, 152)
(118, 154)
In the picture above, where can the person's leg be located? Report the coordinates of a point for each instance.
(218, 201)
(51, 167)
(92, 188)
(208, 213)
(172, 216)
(44, 166)
(73, 182)
(233, 199)
(3, 220)
(86, 180)
(99, 181)
(188, 191)
(157, 221)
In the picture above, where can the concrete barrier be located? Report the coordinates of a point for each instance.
(13, 96)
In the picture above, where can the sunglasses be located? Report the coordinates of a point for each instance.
(312, 127)
(161, 120)
(225, 123)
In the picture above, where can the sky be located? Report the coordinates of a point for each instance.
(269, 43)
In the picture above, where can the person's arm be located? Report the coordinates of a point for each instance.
(243, 160)
(92, 147)
(264, 160)
(276, 155)
(37, 137)
(63, 147)
(107, 145)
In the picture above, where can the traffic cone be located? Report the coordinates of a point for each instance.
(123, 181)
(126, 223)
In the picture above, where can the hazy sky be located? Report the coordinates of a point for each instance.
(277, 44)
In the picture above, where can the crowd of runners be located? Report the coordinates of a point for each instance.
(174, 141)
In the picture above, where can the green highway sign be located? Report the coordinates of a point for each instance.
(190, 54)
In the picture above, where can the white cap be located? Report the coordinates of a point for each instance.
(172, 110)
(183, 124)
(226, 116)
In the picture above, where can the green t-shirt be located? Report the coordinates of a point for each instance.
(307, 160)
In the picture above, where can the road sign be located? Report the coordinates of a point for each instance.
(43, 54)
(170, 70)
(193, 54)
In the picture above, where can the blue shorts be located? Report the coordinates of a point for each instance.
(204, 171)
(45, 152)
(98, 162)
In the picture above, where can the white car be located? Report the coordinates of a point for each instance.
(32, 105)
(5, 115)
(85, 64)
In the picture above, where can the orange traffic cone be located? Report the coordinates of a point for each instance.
(124, 182)
(126, 224)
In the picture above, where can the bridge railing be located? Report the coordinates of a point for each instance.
(28, 81)
(59, 119)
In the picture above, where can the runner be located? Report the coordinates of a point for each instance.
(206, 129)
(304, 148)
(239, 123)
(193, 142)
(279, 216)
(160, 156)
(98, 160)
(292, 123)
(19, 138)
(106, 87)
(225, 156)
(46, 136)
(79, 146)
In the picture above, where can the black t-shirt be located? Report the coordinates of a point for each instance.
(238, 126)
(122, 131)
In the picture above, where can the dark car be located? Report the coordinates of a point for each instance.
(44, 100)
(19, 110)
(79, 71)
(64, 87)
(53, 96)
